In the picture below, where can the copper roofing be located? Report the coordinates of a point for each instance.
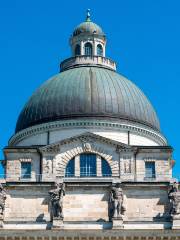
(87, 92)
(88, 27)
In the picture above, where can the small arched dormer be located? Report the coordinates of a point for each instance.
(99, 50)
(90, 165)
(77, 50)
(88, 50)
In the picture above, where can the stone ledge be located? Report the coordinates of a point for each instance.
(125, 233)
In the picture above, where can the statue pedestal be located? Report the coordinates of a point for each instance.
(117, 223)
(176, 222)
(57, 223)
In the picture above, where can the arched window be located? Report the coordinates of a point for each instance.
(70, 168)
(106, 170)
(99, 50)
(88, 49)
(77, 50)
(88, 165)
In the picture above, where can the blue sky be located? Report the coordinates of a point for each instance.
(143, 38)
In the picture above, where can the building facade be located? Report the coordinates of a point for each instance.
(88, 159)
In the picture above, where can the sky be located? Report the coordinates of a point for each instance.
(143, 38)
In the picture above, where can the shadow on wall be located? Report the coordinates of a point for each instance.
(40, 218)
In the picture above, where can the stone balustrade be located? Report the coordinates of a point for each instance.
(87, 60)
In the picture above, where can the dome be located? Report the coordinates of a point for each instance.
(87, 92)
(88, 27)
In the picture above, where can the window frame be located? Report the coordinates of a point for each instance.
(88, 165)
(67, 174)
(106, 165)
(88, 50)
(99, 47)
(152, 170)
(25, 175)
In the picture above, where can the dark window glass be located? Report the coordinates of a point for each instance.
(88, 49)
(70, 168)
(99, 50)
(149, 169)
(77, 50)
(87, 165)
(25, 170)
(106, 170)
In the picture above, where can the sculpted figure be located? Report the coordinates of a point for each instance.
(87, 147)
(116, 200)
(2, 199)
(56, 201)
(174, 197)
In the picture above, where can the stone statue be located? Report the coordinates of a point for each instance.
(87, 147)
(56, 201)
(2, 199)
(116, 201)
(174, 197)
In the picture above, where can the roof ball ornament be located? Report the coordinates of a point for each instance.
(88, 19)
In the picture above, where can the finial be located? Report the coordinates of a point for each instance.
(88, 19)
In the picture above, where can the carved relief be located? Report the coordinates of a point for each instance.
(58, 165)
(48, 165)
(87, 147)
(2, 199)
(126, 165)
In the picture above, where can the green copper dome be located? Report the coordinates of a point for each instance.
(88, 27)
(86, 92)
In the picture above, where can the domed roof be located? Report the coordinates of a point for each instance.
(87, 92)
(88, 27)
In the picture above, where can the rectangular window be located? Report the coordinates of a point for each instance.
(150, 170)
(25, 170)
(88, 165)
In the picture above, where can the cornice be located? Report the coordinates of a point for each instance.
(95, 123)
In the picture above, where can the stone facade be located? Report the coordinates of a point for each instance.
(92, 177)
(88, 202)
(125, 161)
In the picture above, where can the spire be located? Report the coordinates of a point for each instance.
(88, 19)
